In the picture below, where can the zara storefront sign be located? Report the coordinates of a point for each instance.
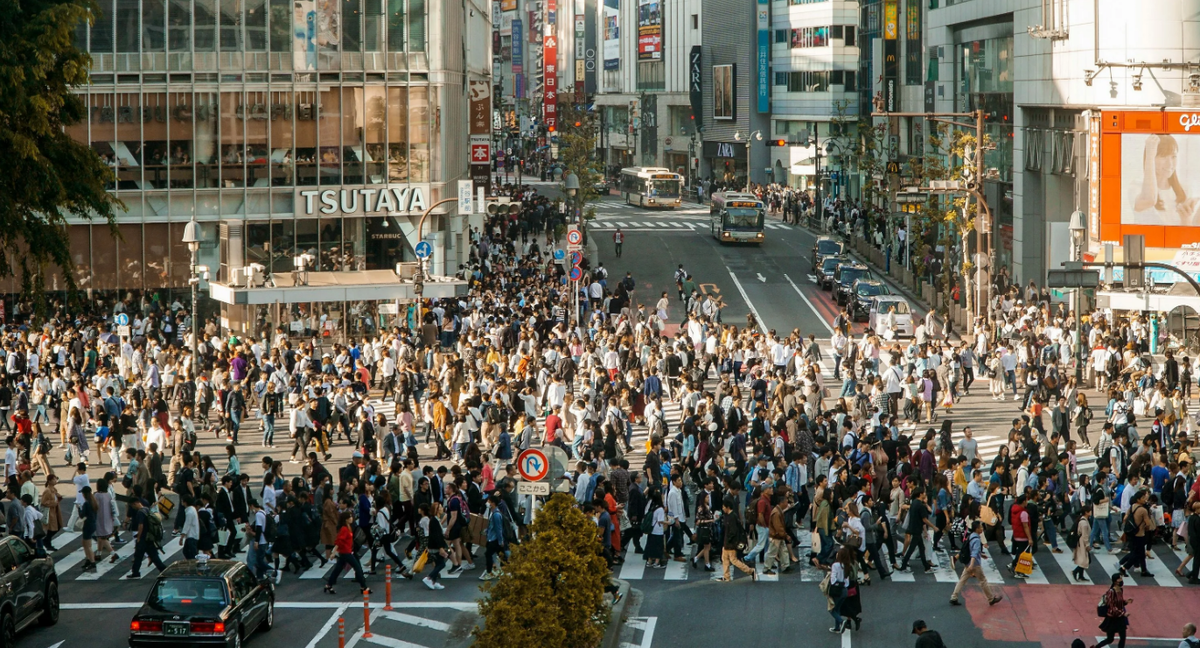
(389, 200)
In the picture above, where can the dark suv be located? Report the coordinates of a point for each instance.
(28, 589)
(865, 291)
(843, 280)
(826, 246)
(829, 266)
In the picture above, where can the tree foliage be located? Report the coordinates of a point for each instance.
(48, 176)
(577, 146)
(551, 592)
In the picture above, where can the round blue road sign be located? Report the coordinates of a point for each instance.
(424, 250)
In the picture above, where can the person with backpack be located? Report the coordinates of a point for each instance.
(1138, 531)
(148, 534)
(1112, 610)
(971, 555)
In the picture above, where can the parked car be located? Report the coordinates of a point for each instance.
(844, 277)
(894, 308)
(28, 589)
(864, 292)
(826, 246)
(203, 603)
(825, 273)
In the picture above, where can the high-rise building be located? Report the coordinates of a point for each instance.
(281, 126)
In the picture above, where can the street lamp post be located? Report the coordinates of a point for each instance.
(1078, 228)
(191, 238)
(754, 135)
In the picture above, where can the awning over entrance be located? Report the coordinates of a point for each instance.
(367, 285)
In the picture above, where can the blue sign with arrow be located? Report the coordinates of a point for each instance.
(424, 250)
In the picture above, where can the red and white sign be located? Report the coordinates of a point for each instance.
(550, 69)
(533, 465)
(574, 236)
(481, 154)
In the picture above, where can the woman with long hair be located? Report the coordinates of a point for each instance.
(88, 513)
(1161, 198)
(432, 538)
(1081, 414)
(841, 580)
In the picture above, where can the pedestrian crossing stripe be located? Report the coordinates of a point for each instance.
(665, 225)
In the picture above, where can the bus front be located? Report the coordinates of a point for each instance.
(664, 190)
(742, 222)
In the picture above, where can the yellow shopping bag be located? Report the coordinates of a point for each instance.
(419, 563)
(1025, 564)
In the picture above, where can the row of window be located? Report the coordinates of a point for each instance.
(371, 134)
(298, 27)
(816, 36)
(816, 81)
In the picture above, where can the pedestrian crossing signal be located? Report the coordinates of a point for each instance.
(777, 142)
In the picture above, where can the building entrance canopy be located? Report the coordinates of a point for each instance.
(324, 287)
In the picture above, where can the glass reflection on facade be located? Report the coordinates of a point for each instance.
(222, 109)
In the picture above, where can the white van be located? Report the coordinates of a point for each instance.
(891, 311)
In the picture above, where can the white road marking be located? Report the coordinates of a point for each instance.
(416, 620)
(106, 565)
(289, 605)
(846, 639)
(761, 278)
(753, 311)
(341, 609)
(810, 305)
(676, 571)
(646, 625)
(634, 567)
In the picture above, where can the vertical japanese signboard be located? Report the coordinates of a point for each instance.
(550, 69)
(764, 55)
(480, 94)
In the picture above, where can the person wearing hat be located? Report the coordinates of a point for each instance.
(926, 638)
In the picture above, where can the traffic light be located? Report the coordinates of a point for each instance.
(578, 124)
(777, 142)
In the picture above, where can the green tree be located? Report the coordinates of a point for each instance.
(48, 176)
(552, 590)
(577, 149)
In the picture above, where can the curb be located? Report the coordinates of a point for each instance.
(616, 617)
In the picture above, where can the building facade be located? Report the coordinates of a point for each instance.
(1044, 73)
(283, 126)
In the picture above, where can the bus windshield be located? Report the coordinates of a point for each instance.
(664, 188)
(743, 218)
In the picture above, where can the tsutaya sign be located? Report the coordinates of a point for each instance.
(383, 200)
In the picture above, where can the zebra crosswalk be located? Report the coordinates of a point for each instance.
(664, 225)
(1049, 568)
(606, 205)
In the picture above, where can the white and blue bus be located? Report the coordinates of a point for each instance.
(651, 187)
(736, 218)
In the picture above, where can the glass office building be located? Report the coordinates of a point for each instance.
(235, 112)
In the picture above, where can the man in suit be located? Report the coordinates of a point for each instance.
(226, 517)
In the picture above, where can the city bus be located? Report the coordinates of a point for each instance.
(651, 187)
(736, 218)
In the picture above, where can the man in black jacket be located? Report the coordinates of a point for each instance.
(1194, 541)
(735, 541)
(226, 517)
(1060, 422)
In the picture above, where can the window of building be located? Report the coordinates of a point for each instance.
(781, 35)
(127, 27)
(850, 42)
(180, 29)
(695, 21)
(154, 31)
(817, 80)
(804, 2)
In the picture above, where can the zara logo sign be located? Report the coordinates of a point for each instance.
(724, 149)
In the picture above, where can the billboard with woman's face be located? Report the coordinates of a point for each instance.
(1145, 177)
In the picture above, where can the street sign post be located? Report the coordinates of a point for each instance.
(465, 199)
(574, 237)
(533, 465)
(1073, 278)
(121, 319)
(423, 250)
(576, 274)
(576, 258)
(560, 254)
(533, 488)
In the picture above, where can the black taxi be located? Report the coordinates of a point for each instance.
(203, 603)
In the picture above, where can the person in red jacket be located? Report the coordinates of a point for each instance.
(346, 556)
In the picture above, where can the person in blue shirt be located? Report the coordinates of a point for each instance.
(974, 568)
(495, 538)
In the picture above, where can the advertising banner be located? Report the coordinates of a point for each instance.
(304, 35)
(764, 46)
(612, 35)
(724, 92)
(508, 5)
(650, 30)
(550, 70)
(1160, 179)
(518, 46)
(696, 85)
(591, 46)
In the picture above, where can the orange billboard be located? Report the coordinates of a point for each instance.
(1149, 176)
